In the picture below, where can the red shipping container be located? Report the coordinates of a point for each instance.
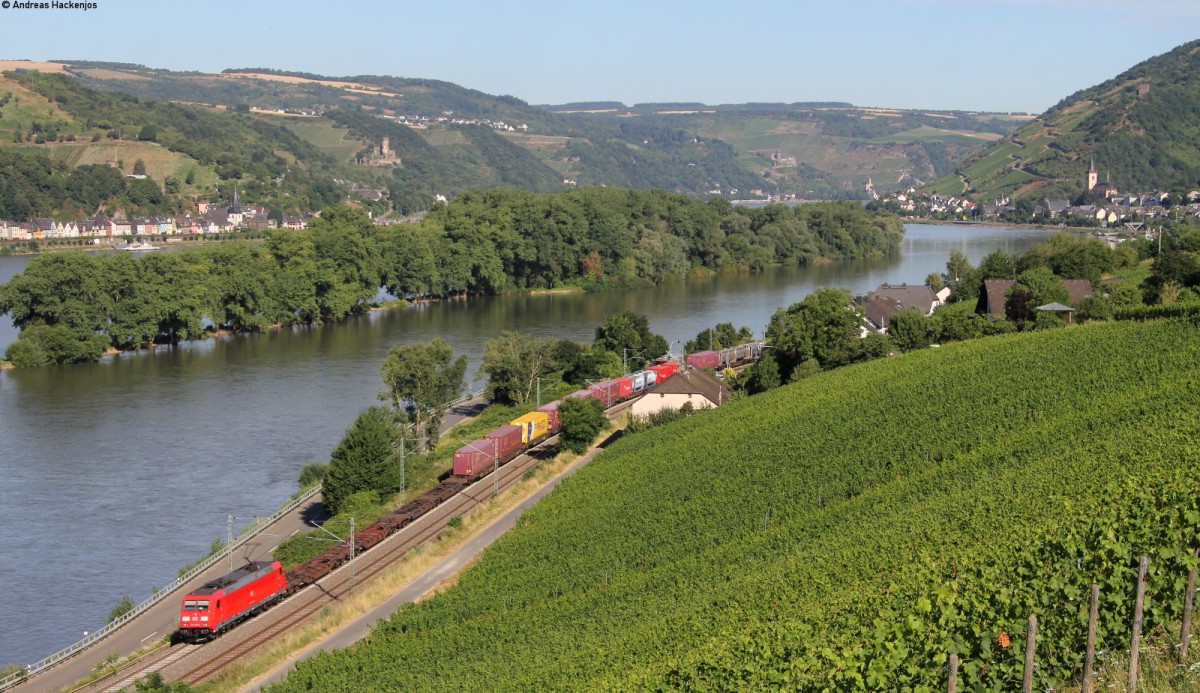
(475, 458)
(607, 391)
(551, 410)
(624, 387)
(508, 441)
(704, 359)
(581, 394)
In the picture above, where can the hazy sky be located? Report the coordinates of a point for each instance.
(997, 55)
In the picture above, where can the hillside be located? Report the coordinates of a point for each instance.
(826, 151)
(1142, 128)
(842, 533)
(810, 150)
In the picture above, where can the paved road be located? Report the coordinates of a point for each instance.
(163, 618)
(448, 567)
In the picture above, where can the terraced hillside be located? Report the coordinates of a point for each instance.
(844, 533)
(815, 150)
(1141, 128)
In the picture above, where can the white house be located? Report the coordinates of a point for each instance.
(692, 385)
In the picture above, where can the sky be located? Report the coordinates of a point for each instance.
(987, 55)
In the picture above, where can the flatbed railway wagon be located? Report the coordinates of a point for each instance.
(221, 603)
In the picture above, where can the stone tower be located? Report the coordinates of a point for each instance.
(384, 150)
(1093, 176)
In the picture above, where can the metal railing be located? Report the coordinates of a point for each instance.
(247, 534)
(66, 653)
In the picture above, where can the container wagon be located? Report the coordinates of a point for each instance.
(704, 359)
(534, 426)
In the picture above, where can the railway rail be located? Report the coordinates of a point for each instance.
(302, 606)
(194, 664)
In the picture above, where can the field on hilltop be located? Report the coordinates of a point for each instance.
(846, 533)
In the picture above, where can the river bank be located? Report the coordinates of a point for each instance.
(248, 411)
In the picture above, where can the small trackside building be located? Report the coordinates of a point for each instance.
(695, 385)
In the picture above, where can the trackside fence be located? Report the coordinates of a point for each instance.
(245, 536)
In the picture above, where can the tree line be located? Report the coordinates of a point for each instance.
(73, 307)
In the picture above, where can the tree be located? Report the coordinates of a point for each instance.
(1035, 287)
(513, 362)
(962, 278)
(313, 473)
(139, 168)
(911, 330)
(364, 460)
(997, 265)
(764, 374)
(934, 281)
(580, 421)
(628, 335)
(722, 336)
(824, 326)
(42, 345)
(149, 133)
(421, 381)
(592, 363)
(1174, 268)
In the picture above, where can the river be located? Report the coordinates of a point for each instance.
(117, 473)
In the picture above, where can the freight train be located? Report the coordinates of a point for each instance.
(222, 603)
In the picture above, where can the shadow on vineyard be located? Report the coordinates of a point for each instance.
(849, 532)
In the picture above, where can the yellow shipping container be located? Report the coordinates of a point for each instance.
(534, 426)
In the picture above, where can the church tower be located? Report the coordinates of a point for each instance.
(1093, 176)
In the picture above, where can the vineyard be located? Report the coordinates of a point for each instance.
(846, 533)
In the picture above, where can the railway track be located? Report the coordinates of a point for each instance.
(194, 664)
(125, 676)
(300, 607)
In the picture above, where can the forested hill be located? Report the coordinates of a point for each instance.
(71, 307)
(847, 532)
(1142, 128)
(809, 150)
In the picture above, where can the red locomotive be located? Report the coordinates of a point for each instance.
(221, 603)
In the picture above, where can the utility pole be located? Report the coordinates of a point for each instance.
(495, 467)
(351, 555)
(402, 446)
(229, 540)
(539, 394)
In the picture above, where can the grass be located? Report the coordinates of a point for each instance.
(377, 591)
(423, 473)
(1159, 669)
(160, 161)
(323, 134)
(926, 133)
(787, 531)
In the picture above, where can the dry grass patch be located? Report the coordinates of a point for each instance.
(370, 595)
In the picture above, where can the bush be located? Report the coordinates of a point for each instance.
(41, 345)
(312, 474)
(124, 606)
(581, 420)
(639, 423)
